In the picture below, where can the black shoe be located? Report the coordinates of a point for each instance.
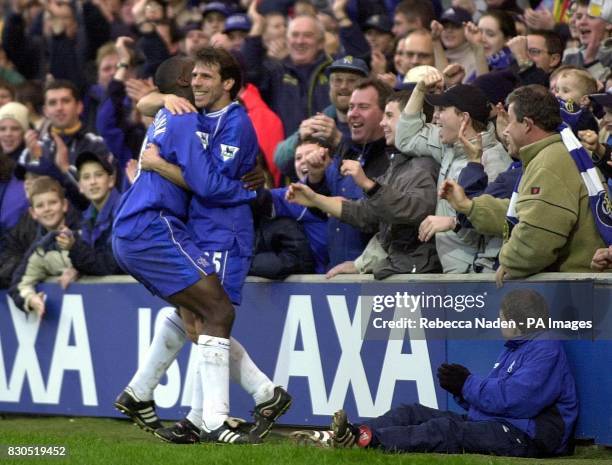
(182, 432)
(344, 434)
(225, 434)
(268, 412)
(142, 413)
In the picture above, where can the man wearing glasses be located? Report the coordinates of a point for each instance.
(542, 49)
(418, 48)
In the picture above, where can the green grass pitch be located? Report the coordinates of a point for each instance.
(95, 441)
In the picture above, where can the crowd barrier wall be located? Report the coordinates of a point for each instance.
(304, 332)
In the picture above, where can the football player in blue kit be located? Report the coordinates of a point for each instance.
(188, 248)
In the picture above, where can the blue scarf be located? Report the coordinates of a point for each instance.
(500, 60)
(570, 113)
(598, 196)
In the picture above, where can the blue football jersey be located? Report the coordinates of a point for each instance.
(231, 143)
(151, 193)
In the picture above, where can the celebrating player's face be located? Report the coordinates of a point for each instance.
(208, 88)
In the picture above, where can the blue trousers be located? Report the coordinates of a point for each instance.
(415, 428)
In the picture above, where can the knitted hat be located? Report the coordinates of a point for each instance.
(16, 111)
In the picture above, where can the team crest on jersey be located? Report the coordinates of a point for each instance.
(228, 152)
(203, 138)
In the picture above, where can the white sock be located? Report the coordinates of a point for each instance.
(167, 342)
(245, 372)
(214, 372)
(195, 414)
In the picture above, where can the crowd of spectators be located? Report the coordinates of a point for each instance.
(412, 136)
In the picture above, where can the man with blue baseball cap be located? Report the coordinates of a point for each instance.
(349, 64)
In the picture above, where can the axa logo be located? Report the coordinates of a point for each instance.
(203, 138)
(228, 152)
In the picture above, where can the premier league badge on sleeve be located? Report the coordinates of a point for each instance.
(228, 152)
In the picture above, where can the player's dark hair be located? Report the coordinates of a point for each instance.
(173, 76)
(229, 68)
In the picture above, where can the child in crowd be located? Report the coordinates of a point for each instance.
(90, 250)
(290, 238)
(572, 89)
(48, 207)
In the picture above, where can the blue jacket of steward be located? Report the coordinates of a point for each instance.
(531, 387)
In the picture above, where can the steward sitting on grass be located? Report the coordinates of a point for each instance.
(525, 407)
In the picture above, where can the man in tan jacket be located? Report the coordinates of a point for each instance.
(555, 229)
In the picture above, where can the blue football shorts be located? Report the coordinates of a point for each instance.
(232, 270)
(164, 257)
